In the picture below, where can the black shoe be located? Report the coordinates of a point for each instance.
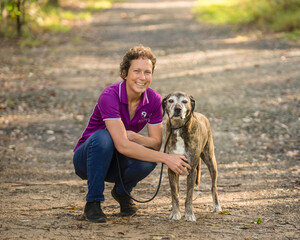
(93, 212)
(127, 206)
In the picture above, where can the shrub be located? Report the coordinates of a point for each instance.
(277, 15)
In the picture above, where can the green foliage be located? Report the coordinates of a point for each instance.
(11, 7)
(294, 35)
(91, 5)
(258, 221)
(10, 103)
(10, 12)
(55, 19)
(24, 18)
(221, 12)
(277, 15)
(27, 42)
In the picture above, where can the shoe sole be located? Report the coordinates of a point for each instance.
(95, 220)
(127, 215)
(122, 214)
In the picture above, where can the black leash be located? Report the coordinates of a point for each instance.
(161, 171)
(159, 182)
(128, 194)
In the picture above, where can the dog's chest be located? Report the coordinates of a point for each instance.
(179, 146)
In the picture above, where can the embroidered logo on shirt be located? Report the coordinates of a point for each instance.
(144, 114)
(143, 117)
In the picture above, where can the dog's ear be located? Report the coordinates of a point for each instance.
(192, 103)
(164, 103)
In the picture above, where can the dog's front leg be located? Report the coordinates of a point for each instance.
(174, 185)
(191, 179)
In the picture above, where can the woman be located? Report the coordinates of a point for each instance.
(123, 109)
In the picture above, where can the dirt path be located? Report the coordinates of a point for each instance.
(248, 86)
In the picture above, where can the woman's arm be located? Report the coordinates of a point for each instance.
(153, 140)
(176, 162)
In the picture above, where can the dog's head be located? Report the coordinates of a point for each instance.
(178, 105)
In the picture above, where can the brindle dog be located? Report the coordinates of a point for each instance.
(189, 134)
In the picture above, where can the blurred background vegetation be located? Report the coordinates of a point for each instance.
(28, 18)
(24, 18)
(266, 15)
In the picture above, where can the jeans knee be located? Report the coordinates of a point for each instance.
(148, 166)
(79, 163)
(101, 141)
(138, 171)
(80, 174)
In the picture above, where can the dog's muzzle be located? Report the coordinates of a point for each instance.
(177, 111)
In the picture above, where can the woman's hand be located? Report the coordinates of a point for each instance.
(121, 138)
(178, 164)
(130, 135)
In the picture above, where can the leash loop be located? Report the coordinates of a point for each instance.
(161, 171)
(122, 183)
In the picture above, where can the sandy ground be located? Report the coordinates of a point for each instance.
(246, 83)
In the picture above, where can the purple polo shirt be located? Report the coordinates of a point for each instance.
(113, 104)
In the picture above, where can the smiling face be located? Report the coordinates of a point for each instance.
(139, 76)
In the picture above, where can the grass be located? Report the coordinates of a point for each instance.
(56, 19)
(275, 15)
(294, 35)
(28, 42)
(59, 19)
(91, 5)
(222, 12)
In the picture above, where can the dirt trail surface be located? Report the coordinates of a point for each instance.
(246, 84)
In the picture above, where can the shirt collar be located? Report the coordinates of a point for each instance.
(123, 95)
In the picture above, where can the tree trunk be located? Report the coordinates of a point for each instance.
(19, 22)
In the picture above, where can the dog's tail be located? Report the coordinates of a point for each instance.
(198, 174)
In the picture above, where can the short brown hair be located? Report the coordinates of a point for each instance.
(136, 53)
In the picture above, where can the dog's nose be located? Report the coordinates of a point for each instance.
(177, 109)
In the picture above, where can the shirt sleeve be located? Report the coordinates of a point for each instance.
(156, 115)
(109, 106)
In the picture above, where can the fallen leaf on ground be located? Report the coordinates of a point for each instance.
(223, 212)
(246, 227)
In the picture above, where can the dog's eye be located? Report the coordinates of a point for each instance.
(170, 100)
(184, 101)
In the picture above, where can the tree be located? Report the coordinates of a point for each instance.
(13, 10)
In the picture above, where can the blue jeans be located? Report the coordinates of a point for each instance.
(95, 160)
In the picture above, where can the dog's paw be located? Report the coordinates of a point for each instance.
(217, 208)
(190, 217)
(175, 216)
